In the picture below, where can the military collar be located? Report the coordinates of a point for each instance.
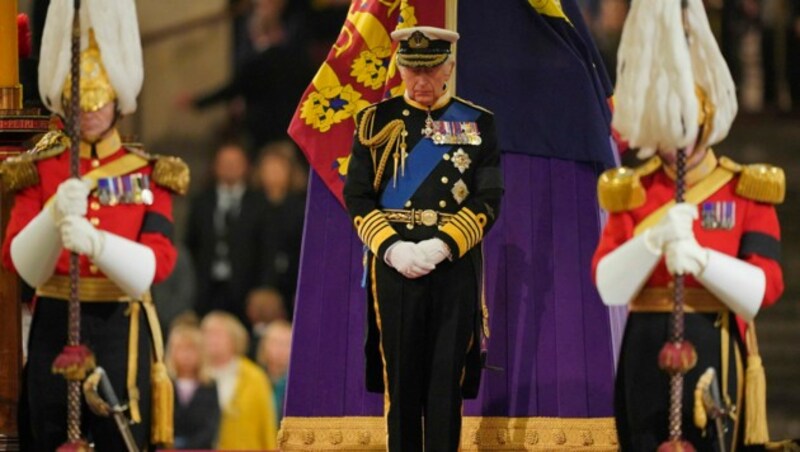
(699, 172)
(104, 148)
(441, 103)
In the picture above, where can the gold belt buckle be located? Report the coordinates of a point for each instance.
(429, 217)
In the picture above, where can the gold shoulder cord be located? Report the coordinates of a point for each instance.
(393, 140)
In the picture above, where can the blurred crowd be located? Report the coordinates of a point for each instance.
(230, 336)
(760, 40)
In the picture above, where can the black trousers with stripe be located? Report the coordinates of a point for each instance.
(426, 326)
(104, 328)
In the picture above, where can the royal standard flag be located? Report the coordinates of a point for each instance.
(360, 70)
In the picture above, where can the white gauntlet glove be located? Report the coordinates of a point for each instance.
(71, 198)
(686, 257)
(35, 250)
(79, 236)
(739, 284)
(676, 225)
(409, 260)
(131, 265)
(435, 250)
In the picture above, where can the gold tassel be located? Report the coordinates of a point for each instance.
(700, 416)
(756, 429)
(162, 432)
(396, 161)
(133, 363)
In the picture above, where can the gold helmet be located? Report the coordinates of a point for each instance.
(111, 55)
(95, 87)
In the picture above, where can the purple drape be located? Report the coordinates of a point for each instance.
(550, 332)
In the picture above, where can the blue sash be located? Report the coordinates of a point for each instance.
(422, 160)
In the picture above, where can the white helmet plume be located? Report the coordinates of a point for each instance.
(656, 103)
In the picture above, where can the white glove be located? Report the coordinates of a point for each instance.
(676, 225)
(35, 250)
(131, 265)
(71, 198)
(435, 250)
(686, 257)
(409, 260)
(622, 273)
(739, 284)
(80, 236)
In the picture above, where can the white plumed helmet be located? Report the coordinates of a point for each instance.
(116, 31)
(660, 72)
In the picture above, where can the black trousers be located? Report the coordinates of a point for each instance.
(426, 326)
(641, 403)
(104, 328)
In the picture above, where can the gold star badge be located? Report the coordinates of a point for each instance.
(461, 160)
(460, 191)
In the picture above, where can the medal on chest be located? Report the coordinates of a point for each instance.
(128, 189)
(452, 132)
(720, 215)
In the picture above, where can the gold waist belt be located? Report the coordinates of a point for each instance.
(427, 217)
(695, 300)
(89, 289)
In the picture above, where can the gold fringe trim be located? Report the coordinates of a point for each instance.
(20, 171)
(163, 396)
(763, 183)
(172, 173)
(477, 433)
(756, 430)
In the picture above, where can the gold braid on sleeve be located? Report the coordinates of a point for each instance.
(392, 138)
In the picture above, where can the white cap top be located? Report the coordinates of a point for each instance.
(432, 33)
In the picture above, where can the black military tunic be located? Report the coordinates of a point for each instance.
(423, 338)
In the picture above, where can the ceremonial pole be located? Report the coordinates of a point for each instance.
(76, 360)
(74, 124)
(678, 356)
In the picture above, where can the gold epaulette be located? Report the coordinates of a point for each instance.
(169, 172)
(473, 105)
(620, 189)
(172, 173)
(759, 182)
(20, 171)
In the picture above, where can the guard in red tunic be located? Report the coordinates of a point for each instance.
(728, 242)
(118, 217)
(725, 237)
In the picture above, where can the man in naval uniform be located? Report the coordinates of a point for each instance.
(423, 188)
(117, 217)
(724, 238)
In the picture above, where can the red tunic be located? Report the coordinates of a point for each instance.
(752, 219)
(149, 225)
